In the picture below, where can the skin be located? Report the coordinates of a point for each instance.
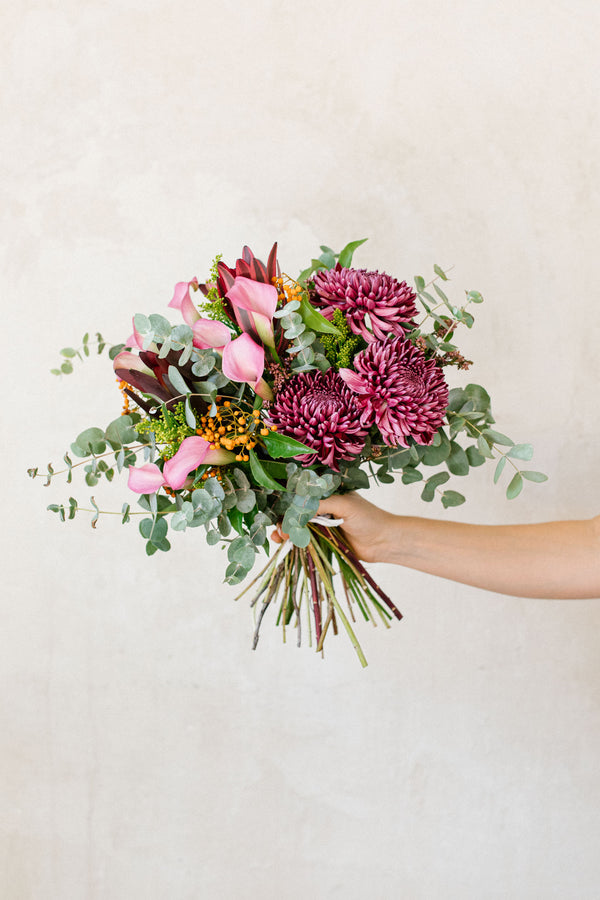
(552, 560)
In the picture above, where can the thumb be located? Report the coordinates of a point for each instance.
(332, 507)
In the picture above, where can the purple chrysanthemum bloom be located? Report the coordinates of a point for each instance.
(399, 390)
(319, 410)
(375, 304)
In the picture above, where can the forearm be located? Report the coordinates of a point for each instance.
(553, 559)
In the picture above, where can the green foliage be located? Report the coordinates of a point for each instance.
(169, 428)
(69, 354)
(340, 348)
(329, 258)
(281, 446)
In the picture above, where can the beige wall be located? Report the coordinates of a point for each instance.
(146, 751)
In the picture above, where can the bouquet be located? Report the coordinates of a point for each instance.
(272, 393)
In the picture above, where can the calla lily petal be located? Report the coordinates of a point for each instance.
(145, 479)
(135, 339)
(182, 301)
(243, 360)
(254, 303)
(255, 296)
(190, 455)
(131, 361)
(210, 334)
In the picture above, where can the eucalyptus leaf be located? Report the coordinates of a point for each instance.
(452, 498)
(515, 487)
(458, 461)
(177, 380)
(521, 451)
(537, 477)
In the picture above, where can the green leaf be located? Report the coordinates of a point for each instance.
(442, 296)
(280, 445)
(538, 477)
(419, 283)
(456, 399)
(439, 271)
(177, 380)
(438, 451)
(120, 431)
(458, 461)
(452, 498)
(242, 551)
(515, 487)
(69, 352)
(91, 440)
(499, 469)
(236, 519)
(299, 536)
(474, 297)
(411, 475)
(314, 320)
(66, 368)
(475, 457)
(190, 418)
(498, 438)
(345, 257)
(125, 513)
(479, 396)
(521, 451)
(260, 476)
(484, 447)
(154, 530)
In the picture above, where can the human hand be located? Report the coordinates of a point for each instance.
(365, 527)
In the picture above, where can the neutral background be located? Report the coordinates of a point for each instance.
(146, 751)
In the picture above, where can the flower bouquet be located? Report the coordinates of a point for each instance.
(272, 394)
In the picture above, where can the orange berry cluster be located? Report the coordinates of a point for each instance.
(287, 289)
(233, 429)
(126, 400)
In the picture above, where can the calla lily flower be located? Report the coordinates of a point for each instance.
(210, 334)
(244, 360)
(183, 302)
(127, 360)
(254, 303)
(193, 452)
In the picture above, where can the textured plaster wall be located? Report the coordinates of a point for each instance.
(146, 752)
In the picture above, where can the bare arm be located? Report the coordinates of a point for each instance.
(559, 560)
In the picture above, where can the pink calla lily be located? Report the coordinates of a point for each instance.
(193, 452)
(127, 360)
(182, 301)
(254, 303)
(244, 360)
(210, 334)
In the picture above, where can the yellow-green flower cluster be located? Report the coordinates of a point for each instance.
(339, 350)
(169, 429)
(212, 307)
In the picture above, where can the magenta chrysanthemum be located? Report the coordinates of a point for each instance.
(375, 304)
(319, 410)
(399, 390)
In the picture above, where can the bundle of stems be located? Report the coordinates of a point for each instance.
(298, 577)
